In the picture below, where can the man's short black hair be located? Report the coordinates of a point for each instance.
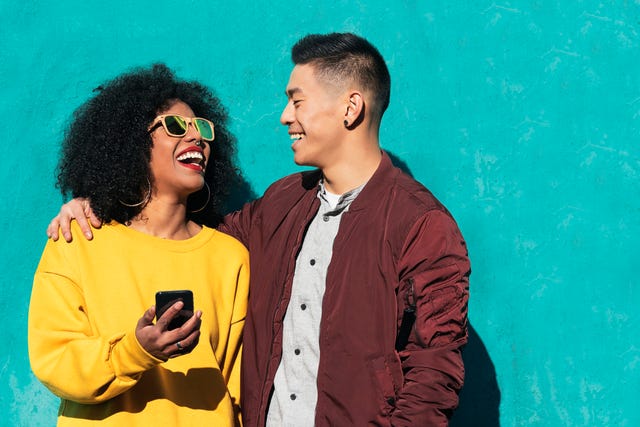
(345, 57)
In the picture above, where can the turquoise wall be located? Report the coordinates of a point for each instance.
(523, 117)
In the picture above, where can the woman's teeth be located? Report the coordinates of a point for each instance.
(190, 155)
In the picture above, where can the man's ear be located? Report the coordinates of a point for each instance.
(354, 113)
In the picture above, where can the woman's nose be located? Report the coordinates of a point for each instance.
(192, 132)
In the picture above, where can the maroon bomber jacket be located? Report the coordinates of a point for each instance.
(397, 243)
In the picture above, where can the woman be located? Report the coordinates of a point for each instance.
(145, 152)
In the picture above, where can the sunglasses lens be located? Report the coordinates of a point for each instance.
(175, 125)
(205, 128)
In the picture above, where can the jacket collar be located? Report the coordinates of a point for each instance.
(378, 186)
(374, 190)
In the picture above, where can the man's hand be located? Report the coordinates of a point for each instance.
(162, 343)
(78, 209)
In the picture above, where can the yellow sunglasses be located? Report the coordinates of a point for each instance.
(177, 125)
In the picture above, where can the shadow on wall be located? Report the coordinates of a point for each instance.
(480, 397)
(239, 194)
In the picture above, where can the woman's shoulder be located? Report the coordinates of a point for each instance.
(226, 241)
(79, 240)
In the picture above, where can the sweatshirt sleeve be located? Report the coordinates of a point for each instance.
(436, 270)
(232, 360)
(71, 358)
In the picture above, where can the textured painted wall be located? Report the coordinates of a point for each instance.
(522, 117)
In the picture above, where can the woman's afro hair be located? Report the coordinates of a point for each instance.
(106, 150)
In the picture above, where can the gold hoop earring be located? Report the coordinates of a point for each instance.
(144, 201)
(205, 203)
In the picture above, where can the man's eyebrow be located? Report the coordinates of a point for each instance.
(292, 91)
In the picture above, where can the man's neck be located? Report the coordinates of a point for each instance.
(355, 169)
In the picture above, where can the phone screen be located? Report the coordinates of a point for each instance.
(165, 299)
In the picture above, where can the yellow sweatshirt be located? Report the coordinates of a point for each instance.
(86, 300)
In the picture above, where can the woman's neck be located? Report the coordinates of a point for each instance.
(165, 220)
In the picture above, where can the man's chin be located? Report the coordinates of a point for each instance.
(301, 161)
(298, 159)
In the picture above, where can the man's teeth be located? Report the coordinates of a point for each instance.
(296, 136)
(191, 155)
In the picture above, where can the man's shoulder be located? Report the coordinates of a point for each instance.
(299, 182)
(415, 194)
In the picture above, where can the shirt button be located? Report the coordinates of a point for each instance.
(293, 396)
(303, 306)
(325, 218)
(312, 262)
(297, 351)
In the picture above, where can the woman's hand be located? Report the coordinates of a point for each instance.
(162, 343)
(78, 209)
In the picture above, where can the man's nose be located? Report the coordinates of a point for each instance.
(287, 116)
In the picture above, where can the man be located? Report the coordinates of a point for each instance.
(342, 258)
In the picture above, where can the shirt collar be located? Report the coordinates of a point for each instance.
(345, 199)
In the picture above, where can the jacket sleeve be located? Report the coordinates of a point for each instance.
(238, 224)
(434, 267)
(71, 358)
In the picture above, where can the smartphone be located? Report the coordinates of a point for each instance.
(165, 299)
